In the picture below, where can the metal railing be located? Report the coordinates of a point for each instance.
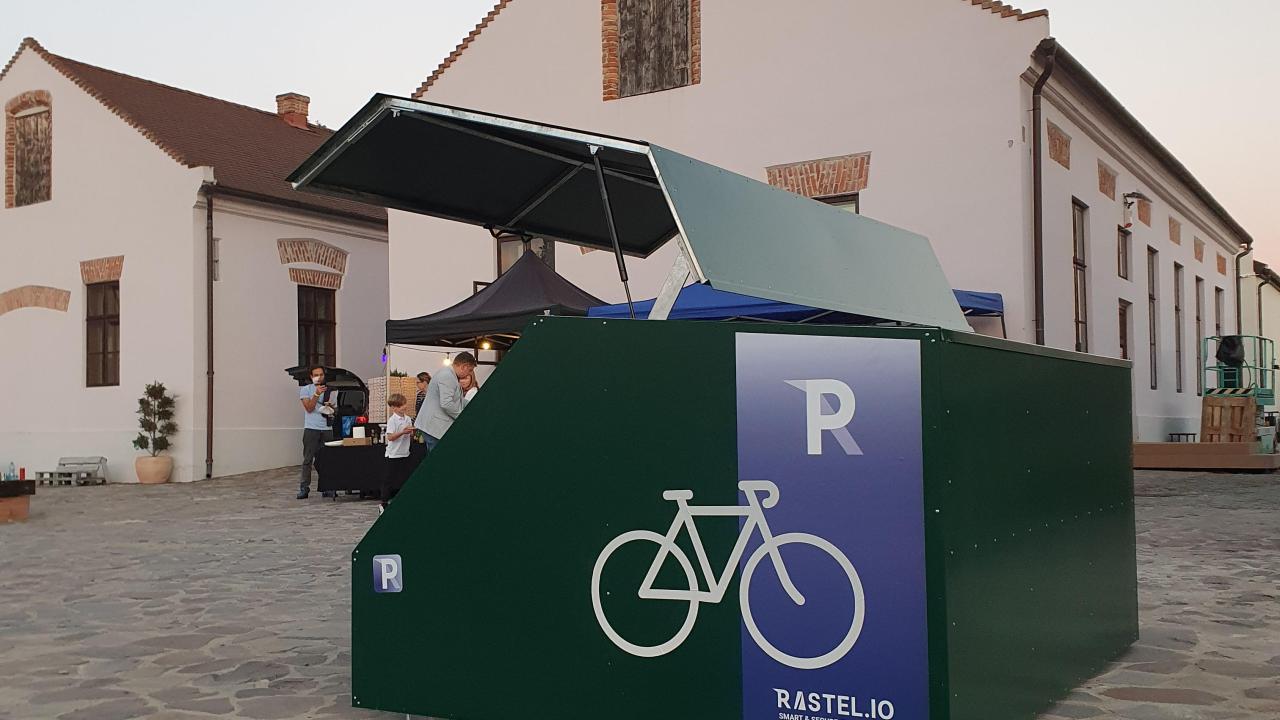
(1258, 371)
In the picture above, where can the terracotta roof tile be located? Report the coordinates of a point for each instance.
(251, 151)
(457, 51)
(998, 8)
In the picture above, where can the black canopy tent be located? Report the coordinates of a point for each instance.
(498, 312)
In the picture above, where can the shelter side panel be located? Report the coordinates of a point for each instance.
(525, 540)
(1035, 487)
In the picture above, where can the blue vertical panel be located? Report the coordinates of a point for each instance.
(829, 429)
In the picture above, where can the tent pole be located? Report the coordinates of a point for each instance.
(613, 230)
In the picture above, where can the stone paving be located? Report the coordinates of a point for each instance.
(230, 599)
(1208, 605)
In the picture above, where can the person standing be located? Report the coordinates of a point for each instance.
(315, 426)
(398, 464)
(445, 399)
(424, 379)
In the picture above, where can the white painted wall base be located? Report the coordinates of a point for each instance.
(40, 450)
(244, 450)
(1152, 428)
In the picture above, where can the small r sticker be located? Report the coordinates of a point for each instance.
(388, 574)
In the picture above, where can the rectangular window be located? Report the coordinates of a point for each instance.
(654, 46)
(1079, 223)
(1123, 240)
(317, 326)
(1124, 329)
(511, 247)
(1199, 336)
(32, 156)
(1177, 325)
(102, 334)
(847, 202)
(1153, 270)
(1219, 300)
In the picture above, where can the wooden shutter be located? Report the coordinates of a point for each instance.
(33, 157)
(653, 45)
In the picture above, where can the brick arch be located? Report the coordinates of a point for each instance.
(34, 296)
(15, 105)
(310, 250)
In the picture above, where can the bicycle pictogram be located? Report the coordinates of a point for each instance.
(718, 585)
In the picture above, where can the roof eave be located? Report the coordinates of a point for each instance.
(1068, 64)
(376, 222)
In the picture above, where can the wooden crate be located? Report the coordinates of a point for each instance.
(408, 387)
(1227, 419)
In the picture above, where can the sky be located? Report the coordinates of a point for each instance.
(1199, 74)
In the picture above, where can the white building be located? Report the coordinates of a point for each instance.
(104, 236)
(915, 112)
(1260, 313)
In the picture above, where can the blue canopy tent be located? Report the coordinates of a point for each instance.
(703, 302)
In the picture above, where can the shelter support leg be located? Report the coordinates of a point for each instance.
(681, 272)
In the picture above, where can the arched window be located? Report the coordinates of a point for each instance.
(28, 134)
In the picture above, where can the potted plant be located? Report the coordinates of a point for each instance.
(155, 418)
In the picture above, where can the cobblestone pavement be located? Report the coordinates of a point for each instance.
(230, 599)
(1208, 605)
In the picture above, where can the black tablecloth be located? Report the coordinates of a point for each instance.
(18, 488)
(358, 467)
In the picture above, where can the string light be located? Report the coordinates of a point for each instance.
(485, 345)
(446, 361)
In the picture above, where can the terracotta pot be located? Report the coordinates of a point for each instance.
(153, 470)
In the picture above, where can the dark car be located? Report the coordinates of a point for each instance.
(347, 392)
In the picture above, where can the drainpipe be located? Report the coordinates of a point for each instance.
(1245, 248)
(1261, 284)
(1037, 189)
(207, 191)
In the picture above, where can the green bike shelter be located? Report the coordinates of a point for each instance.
(756, 521)
(1015, 565)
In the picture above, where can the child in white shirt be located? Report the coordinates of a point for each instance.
(399, 434)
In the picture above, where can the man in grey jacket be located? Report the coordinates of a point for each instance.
(445, 399)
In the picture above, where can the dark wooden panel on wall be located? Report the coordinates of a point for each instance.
(653, 45)
(33, 155)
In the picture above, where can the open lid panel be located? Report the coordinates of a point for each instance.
(539, 180)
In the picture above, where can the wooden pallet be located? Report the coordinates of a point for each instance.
(1203, 456)
(52, 477)
(75, 471)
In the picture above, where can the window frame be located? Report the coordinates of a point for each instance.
(104, 325)
(1124, 313)
(309, 324)
(1080, 268)
(1199, 335)
(1124, 242)
(1177, 326)
(1219, 295)
(1153, 335)
(843, 201)
(548, 254)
